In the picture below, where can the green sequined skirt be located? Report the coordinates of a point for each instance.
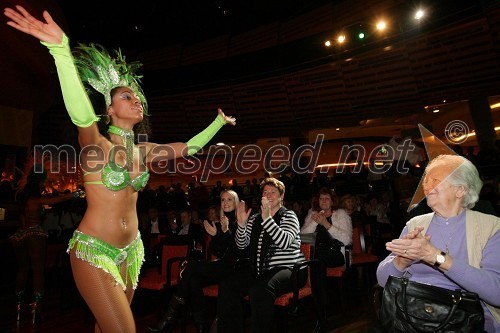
(109, 258)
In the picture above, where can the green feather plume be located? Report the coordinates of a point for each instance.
(104, 73)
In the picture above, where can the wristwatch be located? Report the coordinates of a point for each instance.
(440, 259)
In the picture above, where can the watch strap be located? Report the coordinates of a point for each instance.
(436, 263)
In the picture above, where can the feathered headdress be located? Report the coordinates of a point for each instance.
(104, 73)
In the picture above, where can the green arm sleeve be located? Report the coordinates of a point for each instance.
(202, 138)
(76, 100)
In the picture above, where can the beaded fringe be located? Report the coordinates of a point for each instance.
(89, 252)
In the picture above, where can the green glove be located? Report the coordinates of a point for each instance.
(197, 142)
(76, 100)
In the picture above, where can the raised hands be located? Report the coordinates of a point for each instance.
(210, 228)
(242, 214)
(23, 21)
(320, 218)
(228, 119)
(265, 208)
(412, 247)
(224, 223)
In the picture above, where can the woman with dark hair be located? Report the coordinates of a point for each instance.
(199, 274)
(29, 241)
(106, 251)
(333, 229)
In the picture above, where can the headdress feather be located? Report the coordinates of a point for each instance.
(104, 73)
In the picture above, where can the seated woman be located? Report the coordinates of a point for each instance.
(373, 207)
(452, 247)
(272, 239)
(334, 230)
(199, 274)
(348, 202)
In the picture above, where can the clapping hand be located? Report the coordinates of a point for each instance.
(320, 219)
(21, 20)
(242, 214)
(228, 119)
(224, 223)
(210, 228)
(411, 247)
(265, 209)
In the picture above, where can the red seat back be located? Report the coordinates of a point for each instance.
(155, 278)
(356, 240)
(169, 251)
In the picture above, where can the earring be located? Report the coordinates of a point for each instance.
(107, 119)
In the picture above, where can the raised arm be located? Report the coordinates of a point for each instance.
(161, 152)
(55, 200)
(75, 98)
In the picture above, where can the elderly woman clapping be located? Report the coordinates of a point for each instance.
(453, 247)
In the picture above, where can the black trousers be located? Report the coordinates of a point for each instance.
(328, 257)
(199, 274)
(262, 291)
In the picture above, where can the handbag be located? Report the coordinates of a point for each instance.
(409, 306)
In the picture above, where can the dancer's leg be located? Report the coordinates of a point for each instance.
(106, 299)
(23, 264)
(37, 246)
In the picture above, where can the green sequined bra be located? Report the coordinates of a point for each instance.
(116, 177)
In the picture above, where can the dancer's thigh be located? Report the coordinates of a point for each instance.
(106, 299)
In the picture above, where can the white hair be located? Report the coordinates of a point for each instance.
(465, 174)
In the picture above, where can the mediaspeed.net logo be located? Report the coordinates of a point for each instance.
(456, 132)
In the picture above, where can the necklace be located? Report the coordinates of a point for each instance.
(128, 141)
(452, 234)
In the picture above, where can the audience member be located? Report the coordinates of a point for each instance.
(187, 233)
(272, 239)
(333, 229)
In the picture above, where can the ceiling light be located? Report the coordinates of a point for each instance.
(381, 25)
(219, 144)
(419, 14)
(341, 39)
(328, 43)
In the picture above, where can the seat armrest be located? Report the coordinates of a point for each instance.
(170, 263)
(347, 255)
(295, 276)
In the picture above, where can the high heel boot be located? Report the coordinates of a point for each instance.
(201, 323)
(36, 308)
(19, 303)
(169, 318)
(322, 323)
